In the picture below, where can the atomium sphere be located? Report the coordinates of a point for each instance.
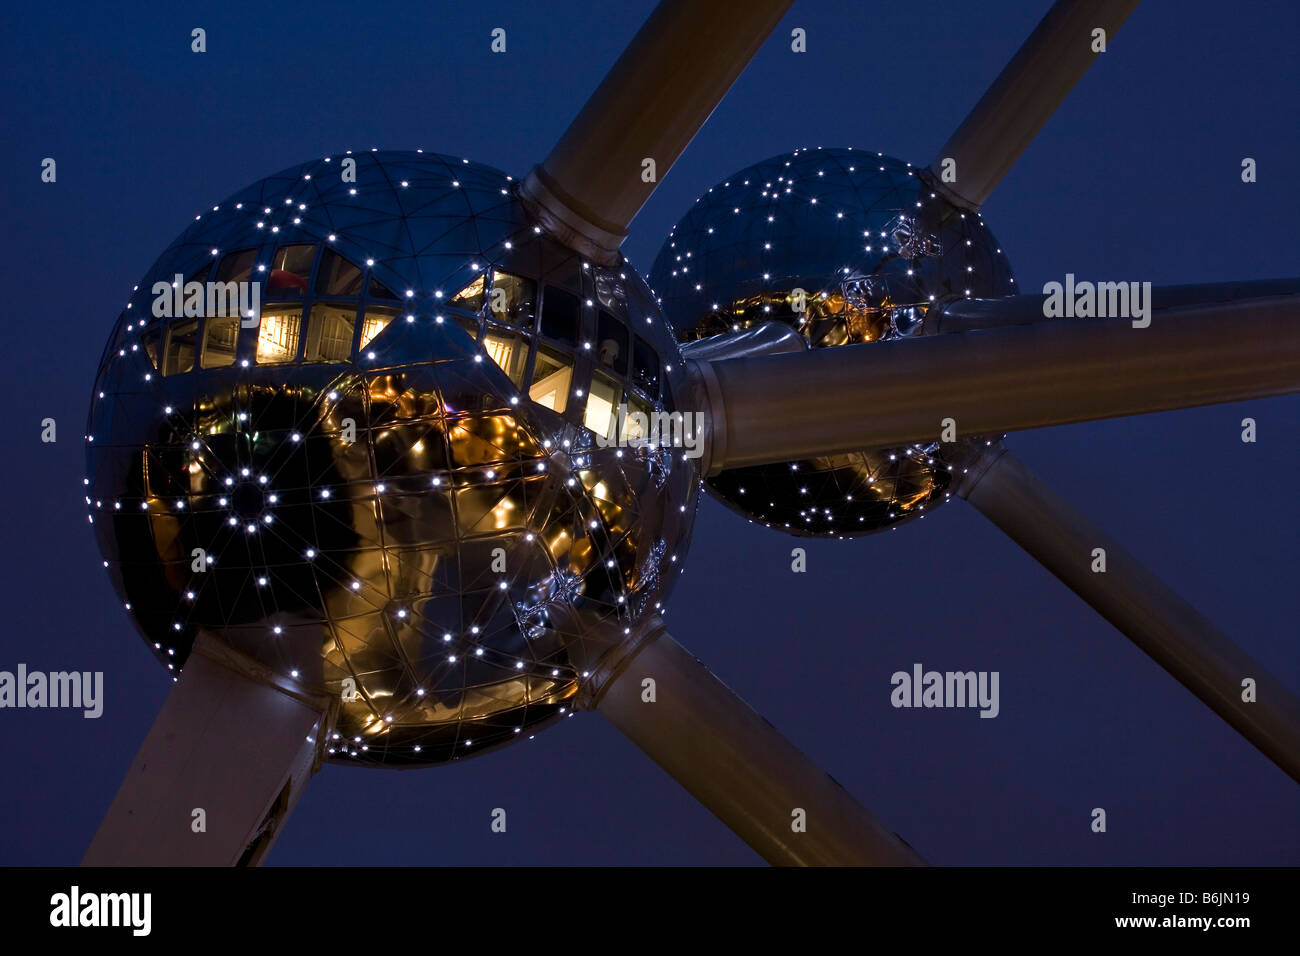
(846, 246)
(401, 470)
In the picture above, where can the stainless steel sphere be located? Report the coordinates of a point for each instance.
(385, 477)
(846, 246)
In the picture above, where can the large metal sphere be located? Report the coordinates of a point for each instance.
(873, 248)
(390, 480)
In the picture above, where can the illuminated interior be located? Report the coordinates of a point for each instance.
(633, 430)
(508, 350)
(514, 298)
(375, 321)
(552, 373)
(602, 405)
(277, 336)
(470, 297)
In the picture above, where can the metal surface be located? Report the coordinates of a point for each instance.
(737, 764)
(764, 338)
(1024, 96)
(215, 779)
(421, 522)
(873, 249)
(828, 401)
(650, 106)
(969, 315)
(403, 494)
(1139, 605)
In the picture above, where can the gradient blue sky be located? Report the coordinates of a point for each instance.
(1137, 177)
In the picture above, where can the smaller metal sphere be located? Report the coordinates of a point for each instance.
(846, 246)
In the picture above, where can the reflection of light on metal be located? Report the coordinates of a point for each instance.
(499, 512)
(383, 547)
(867, 275)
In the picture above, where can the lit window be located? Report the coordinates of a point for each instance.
(277, 337)
(338, 276)
(290, 270)
(560, 315)
(635, 430)
(611, 343)
(602, 405)
(329, 333)
(552, 374)
(513, 298)
(470, 297)
(375, 321)
(181, 339)
(220, 336)
(508, 350)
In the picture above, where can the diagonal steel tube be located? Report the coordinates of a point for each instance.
(778, 408)
(734, 762)
(233, 739)
(1024, 96)
(1138, 604)
(651, 104)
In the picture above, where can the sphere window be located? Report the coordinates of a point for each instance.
(514, 298)
(611, 343)
(337, 276)
(380, 291)
(635, 429)
(510, 351)
(645, 368)
(290, 271)
(329, 333)
(561, 315)
(552, 375)
(181, 340)
(601, 415)
(470, 298)
(150, 340)
(220, 337)
(235, 266)
(278, 334)
(374, 322)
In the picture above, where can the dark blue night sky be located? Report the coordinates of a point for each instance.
(1137, 177)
